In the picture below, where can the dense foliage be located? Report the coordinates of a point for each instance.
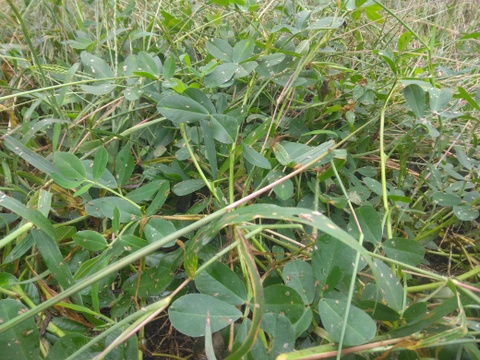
(284, 179)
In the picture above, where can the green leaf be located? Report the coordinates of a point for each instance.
(133, 93)
(242, 51)
(90, 240)
(373, 185)
(303, 158)
(104, 208)
(463, 159)
(415, 312)
(379, 311)
(188, 314)
(152, 282)
(282, 299)
(328, 22)
(99, 163)
(82, 190)
(181, 109)
(371, 223)
(360, 327)
(439, 98)
(255, 158)
(64, 182)
(408, 251)
(389, 58)
(222, 283)
(129, 243)
(98, 90)
(156, 229)
(28, 214)
(465, 213)
(169, 67)
(389, 290)
(200, 98)
(105, 179)
(445, 199)
(23, 341)
(282, 332)
(54, 260)
(466, 96)
(443, 309)
(96, 66)
(147, 64)
(211, 151)
(284, 190)
(298, 274)
(116, 220)
(221, 75)
(267, 63)
(224, 128)
(147, 192)
(220, 49)
(159, 199)
(283, 155)
(331, 260)
(415, 97)
(20, 249)
(187, 187)
(124, 165)
(70, 166)
(404, 40)
(29, 156)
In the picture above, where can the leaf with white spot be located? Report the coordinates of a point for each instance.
(370, 223)
(219, 281)
(465, 213)
(284, 190)
(98, 90)
(298, 274)
(282, 299)
(53, 258)
(282, 333)
(439, 98)
(221, 75)
(408, 251)
(220, 49)
(22, 341)
(360, 327)
(389, 288)
(156, 229)
(152, 282)
(445, 199)
(104, 208)
(96, 66)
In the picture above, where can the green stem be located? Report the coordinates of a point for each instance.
(197, 165)
(15, 234)
(383, 163)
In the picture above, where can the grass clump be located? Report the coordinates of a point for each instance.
(283, 180)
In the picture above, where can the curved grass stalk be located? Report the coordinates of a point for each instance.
(356, 264)
(258, 299)
(94, 278)
(383, 162)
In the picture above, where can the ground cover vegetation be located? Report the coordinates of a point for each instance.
(239, 179)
